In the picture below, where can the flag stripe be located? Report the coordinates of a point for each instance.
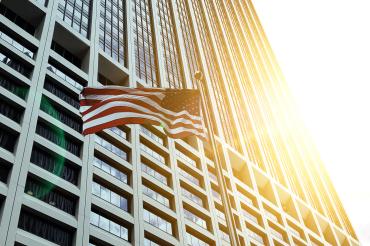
(128, 114)
(123, 121)
(175, 109)
(134, 109)
(140, 100)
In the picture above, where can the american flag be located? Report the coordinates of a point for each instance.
(177, 110)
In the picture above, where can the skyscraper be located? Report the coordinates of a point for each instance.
(132, 185)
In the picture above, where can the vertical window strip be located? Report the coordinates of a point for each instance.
(146, 66)
(191, 52)
(76, 13)
(112, 29)
(230, 74)
(169, 46)
(222, 104)
(189, 40)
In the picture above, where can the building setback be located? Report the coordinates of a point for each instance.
(132, 185)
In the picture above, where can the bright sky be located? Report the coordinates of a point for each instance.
(323, 47)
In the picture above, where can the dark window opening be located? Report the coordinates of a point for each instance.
(14, 41)
(60, 114)
(10, 110)
(5, 168)
(48, 193)
(66, 54)
(64, 74)
(57, 136)
(15, 64)
(104, 80)
(46, 229)
(68, 97)
(8, 139)
(13, 17)
(55, 164)
(13, 87)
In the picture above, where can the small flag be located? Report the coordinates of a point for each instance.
(177, 110)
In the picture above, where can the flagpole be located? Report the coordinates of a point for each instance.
(234, 239)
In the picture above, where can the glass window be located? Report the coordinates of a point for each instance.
(109, 196)
(192, 197)
(71, 11)
(152, 153)
(94, 219)
(146, 68)
(115, 229)
(104, 223)
(112, 148)
(146, 169)
(156, 196)
(104, 193)
(108, 225)
(111, 170)
(194, 218)
(157, 221)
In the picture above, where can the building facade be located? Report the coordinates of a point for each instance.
(132, 185)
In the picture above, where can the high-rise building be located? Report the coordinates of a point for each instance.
(132, 185)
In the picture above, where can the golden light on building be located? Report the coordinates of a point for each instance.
(132, 185)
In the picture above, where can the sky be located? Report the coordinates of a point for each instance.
(323, 47)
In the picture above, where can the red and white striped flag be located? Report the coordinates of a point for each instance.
(177, 110)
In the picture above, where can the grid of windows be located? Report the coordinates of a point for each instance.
(109, 226)
(189, 177)
(111, 170)
(158, 176)
(169, 46)
(151, 135)
(110, 147)
(191, 51)
(145, 61)
(112, 26)
(194, 241)
(59, 165)
(223, 106)
(76, 13)
(58, 48)
(185, 158)
(109, 196)
(157, 221)
(55, 164)
(192, 197)
(196, 219)
(192, 55)
(148, 242)
(152, 153)
(57, 90)
(156, 196)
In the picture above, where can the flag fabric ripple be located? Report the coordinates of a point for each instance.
(177, 110)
